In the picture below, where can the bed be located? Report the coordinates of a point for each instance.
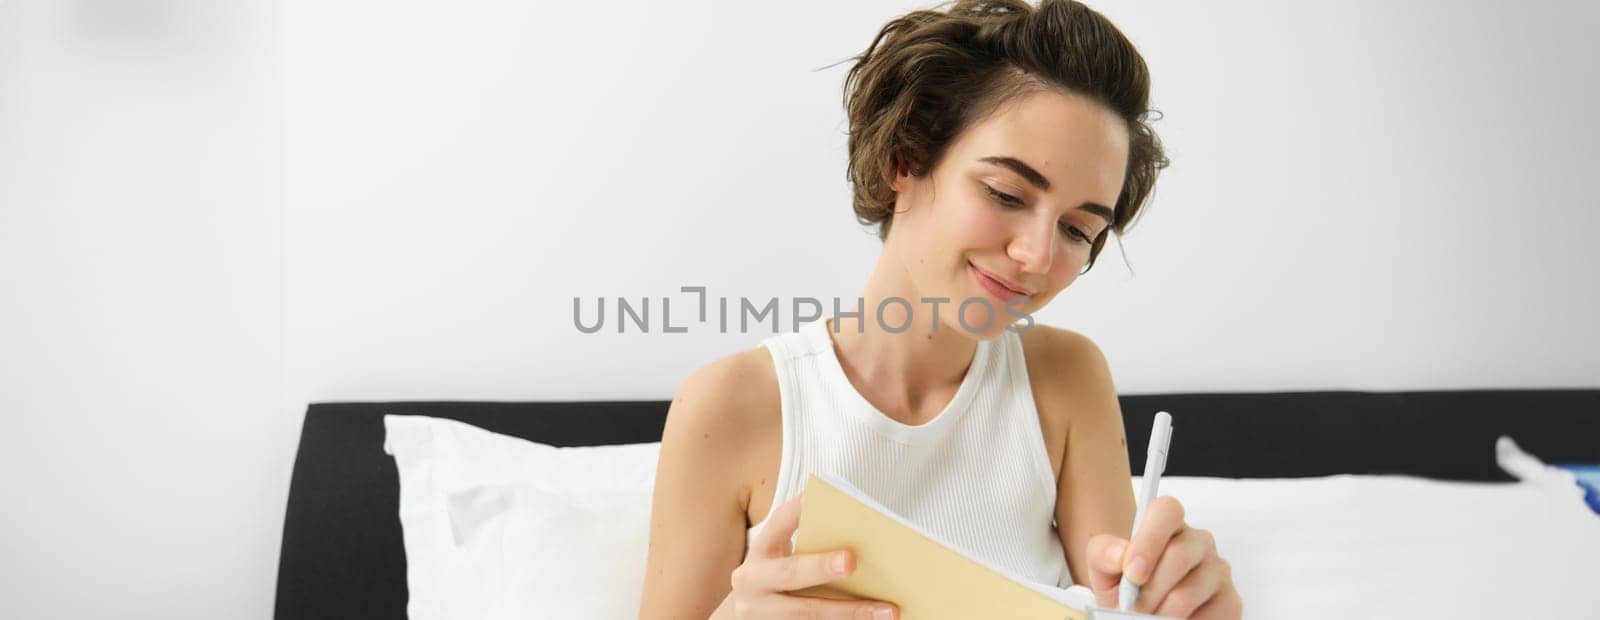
(1325, 502)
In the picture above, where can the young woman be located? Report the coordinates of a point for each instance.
(995, 146)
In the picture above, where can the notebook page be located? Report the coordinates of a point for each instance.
(1076, 597)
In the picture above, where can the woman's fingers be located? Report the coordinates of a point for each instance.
(773, 568)
(1176, 565)
(804, 570)
(1198, 588)
(800, 571)
(1163, 520)
(1105, 555)
(775, 539)
(807, 608)
(793, 572)
(1226, 605)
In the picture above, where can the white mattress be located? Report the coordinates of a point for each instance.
(1400, 547)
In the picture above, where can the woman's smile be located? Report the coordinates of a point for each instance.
(993, 286)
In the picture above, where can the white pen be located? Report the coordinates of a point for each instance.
(1155, 462)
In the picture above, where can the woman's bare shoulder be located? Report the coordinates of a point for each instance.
(1071, 382)
(738, 391)
(1067, 358)
(732, 406)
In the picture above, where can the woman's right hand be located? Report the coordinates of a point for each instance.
(771, 568)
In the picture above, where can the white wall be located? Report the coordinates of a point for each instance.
(144, 457)
(1369, 195)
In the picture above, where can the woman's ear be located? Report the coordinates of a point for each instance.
(899, 177)
(896, 170)
(899, 171)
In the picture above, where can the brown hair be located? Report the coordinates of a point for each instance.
(930, 74)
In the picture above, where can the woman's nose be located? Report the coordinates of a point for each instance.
(1032, 247)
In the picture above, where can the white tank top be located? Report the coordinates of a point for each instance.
(977, 475)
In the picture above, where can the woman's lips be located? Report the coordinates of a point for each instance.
(1000, 291)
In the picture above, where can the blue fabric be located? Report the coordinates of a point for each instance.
(1589, 479)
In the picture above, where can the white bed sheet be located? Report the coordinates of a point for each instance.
(1399, 547)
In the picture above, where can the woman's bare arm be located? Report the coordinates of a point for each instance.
(1094, 494)
(697, 518)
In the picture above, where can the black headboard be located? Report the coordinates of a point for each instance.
(342, 556)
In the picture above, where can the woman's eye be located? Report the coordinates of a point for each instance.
(1012, 202)
(1072, 231)
(1007, 199)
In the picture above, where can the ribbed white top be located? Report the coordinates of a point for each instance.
(977, 475)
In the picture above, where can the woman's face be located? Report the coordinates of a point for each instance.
(1020, 197)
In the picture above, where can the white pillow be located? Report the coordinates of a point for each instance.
(496, 526)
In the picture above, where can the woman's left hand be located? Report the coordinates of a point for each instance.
(1176, 566)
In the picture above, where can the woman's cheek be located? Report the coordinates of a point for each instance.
(980, 223)
(1064, 269)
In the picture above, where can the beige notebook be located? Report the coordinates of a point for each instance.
(898, 562)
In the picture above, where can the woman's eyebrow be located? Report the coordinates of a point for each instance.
(1018, 167)
(1038, 180)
